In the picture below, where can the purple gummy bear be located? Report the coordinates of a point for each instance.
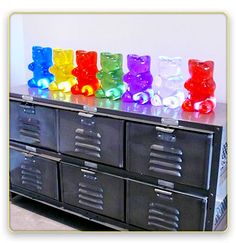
(138, 79)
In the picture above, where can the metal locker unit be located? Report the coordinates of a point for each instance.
(92, 137)
(94, 191)
(33, 124)
(34, 173)
(128, 165)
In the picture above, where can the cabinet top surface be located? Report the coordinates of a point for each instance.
(118, 107)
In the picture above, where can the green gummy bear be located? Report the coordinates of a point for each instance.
(110, 76)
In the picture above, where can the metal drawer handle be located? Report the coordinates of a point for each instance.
(163, 129)
(163, 192)
(88, 171)
(85, 114)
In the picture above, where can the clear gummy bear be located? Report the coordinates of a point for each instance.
(138, 79)
(168, 87)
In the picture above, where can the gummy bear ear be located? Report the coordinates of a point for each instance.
(36, 48)
(80, 52)
(105, 54)
(177, 60)
(210, 64)
(132, 56)
(162, 58)
(192, 62)
(146, 59)
(47, 51)
(92, 54)
(56, 51)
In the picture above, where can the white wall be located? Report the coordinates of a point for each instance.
(201, 36)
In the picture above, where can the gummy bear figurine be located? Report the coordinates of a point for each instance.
(85, 73)
(42, 61)
(110, 75)
(138, 79)
(200, 86)
(63, 65)
(168, 87)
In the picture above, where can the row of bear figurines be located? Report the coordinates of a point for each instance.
(55, 70)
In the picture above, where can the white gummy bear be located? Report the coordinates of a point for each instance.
(168, 86)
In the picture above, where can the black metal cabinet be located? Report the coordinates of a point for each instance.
(133, 166)
(34, 173)
(168, 153)
(155, 209)
(94, 191)
(33, 124)
(92, 137)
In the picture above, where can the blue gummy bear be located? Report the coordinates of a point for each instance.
(42, 61)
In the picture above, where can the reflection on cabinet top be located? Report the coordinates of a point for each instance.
(118, 108)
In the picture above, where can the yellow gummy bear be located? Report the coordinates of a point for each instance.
(63, 61)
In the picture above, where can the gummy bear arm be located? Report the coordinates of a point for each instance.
(148, 76)
(119, 73)
(53, 69)
(207, 83)
(127, 77)
(188, 84)
(69, 68)
(31, 66)
(100, 74)
(75, 71)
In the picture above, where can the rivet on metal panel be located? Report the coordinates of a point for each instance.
(27, 97)
(90, 108)
(169, 121)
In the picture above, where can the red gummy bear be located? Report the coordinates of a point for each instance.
(85, 73)
(201, 87)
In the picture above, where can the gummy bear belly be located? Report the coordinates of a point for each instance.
(133, 89)
(199, 97)
(165, 92)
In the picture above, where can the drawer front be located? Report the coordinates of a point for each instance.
(33, 124)
(170, 154)
(34, 173)
(92, 137)
(93, 191)
(155, 209)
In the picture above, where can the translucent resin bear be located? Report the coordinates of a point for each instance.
(42, 61)
(200, 86)
(63, 65)
(110, 75)
(138, 79)
(85, 73)
(168, 87)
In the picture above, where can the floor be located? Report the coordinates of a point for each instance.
(26, 214)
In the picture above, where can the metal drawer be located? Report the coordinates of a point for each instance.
(92, 137)
(33, 124)
(94, 191)
(155, 209)
(34, 173)
(170, 154)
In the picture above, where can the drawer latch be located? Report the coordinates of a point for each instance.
(169, 121)
(89, 108)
